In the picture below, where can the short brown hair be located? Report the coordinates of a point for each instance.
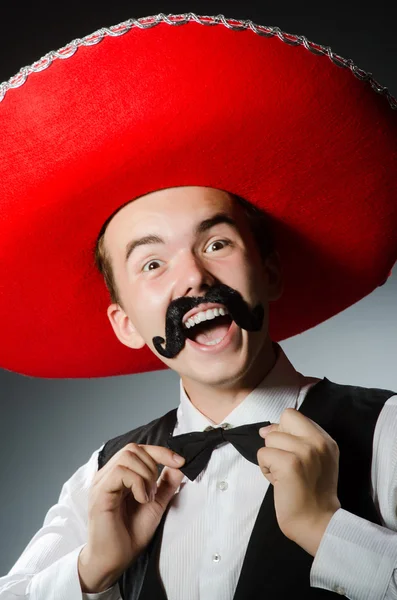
(258, 221)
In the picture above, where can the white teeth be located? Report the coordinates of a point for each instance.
(213, 342)
(205, 315)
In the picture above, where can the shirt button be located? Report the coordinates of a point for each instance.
(216, 557)
(339, 590)
(222, 485)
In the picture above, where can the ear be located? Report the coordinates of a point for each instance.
(124, 328)
(274, 272)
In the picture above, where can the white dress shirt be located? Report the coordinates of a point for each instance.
(210, 520)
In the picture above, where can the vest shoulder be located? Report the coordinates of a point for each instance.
(343, 389)
(144, 434)
(327, 402)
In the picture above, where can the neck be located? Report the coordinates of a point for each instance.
(216, 402)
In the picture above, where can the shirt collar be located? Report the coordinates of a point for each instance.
(278, 390)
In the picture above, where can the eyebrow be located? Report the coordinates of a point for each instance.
(201, 227)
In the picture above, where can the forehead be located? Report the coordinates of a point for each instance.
(166, 210)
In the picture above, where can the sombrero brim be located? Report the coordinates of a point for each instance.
(186, 103)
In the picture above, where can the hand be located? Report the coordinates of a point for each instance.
(301, 461)
(121, 520)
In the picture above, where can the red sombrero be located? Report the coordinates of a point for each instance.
(164, 101)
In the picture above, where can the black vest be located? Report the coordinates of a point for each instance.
(349, 414)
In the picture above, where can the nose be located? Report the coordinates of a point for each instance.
(192, 277)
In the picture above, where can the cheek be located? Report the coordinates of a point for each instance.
(245, 268)
(150, 304)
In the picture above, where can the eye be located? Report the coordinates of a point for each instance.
(153, 261)
(150, 263)
(226, 242)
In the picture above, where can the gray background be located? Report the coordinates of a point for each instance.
(49, 427)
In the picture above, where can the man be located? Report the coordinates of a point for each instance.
(166, 254)
(175, 214)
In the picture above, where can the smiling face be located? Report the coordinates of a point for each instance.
(179, 243)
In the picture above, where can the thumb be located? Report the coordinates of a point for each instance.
(167, 484)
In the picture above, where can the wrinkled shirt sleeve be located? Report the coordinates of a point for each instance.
(47, 568)
(357, 558)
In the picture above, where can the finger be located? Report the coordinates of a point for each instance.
(158, 454)
(287, 441)
(309, 454)
(294, 422)
(167, 485)
(138, 459)
(165, 456)
(147, 458)
(280, 463)
(121, 479)
(135, 458)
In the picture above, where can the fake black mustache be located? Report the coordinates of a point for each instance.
(239, 310)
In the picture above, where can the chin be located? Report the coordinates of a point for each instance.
(222, 372)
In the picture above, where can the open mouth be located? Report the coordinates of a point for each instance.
(210, 333)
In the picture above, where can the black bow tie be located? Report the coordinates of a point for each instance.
(196, 447)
